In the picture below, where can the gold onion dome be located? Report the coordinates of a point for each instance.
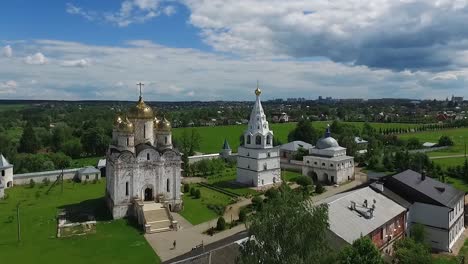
(164, 125)
(140, 111)
(156, 122)
(258, 91)
(125, 126)
(117, 121)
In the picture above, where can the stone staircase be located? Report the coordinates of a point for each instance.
(156, 218)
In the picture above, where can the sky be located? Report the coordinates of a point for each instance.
(218, 49)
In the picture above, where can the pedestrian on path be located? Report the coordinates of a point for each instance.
(174, 244)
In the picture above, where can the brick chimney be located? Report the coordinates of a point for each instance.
(423, 175)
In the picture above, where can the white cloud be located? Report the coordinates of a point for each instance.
(8, 87)
(188, 74)
(7, 51)
(130, 12)
(76, 63)
(36, 59)
(444, 76)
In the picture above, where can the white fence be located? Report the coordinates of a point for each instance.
(25, 178)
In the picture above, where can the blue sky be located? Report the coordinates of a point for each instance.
(215, 49)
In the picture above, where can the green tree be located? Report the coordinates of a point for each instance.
(60, 160)
(189, 141)
(319, 188)
(283, 232)
(72, 148)
(408, 251)
(29, 142)
(362, 251)
(413, 143)
(301, 152)
(304, 181)
(418, 233)
(257, 203)
(198, 194)
(95, 141)
(445, 141)
(221, 224)
(304, 131)
(186, 187)
(242, 215)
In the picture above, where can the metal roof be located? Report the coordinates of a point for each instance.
(295, 145)
(88, 170)
(350, 224)
(4, 162)
(226, 145)
(437, 192)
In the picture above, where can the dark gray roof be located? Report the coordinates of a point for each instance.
(4, 162)
(429, 190)
(226, 144)
(295, 145)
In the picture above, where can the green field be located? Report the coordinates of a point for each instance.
(114, 241)
(458, 135)
(196, 211)
(450, 162)
(290, 176)
(212, 138)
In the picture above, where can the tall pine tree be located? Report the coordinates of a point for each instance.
(29, 142)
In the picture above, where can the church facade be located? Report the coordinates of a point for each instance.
(141, 164)
(258, 162)
(327, 162)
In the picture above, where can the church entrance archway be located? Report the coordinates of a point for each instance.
(314, 176)
(149, 194)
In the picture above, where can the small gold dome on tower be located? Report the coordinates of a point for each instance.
(140, 111)
(164, 125)
(156, 122)
(258, 91)
(125, 126)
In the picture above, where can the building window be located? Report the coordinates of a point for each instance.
(128, 142)
(167, 187)
(248, 139)
(268, 140)
(3, 172)
(147, 156)
(265, 166)
(258, 140)
(323, 164)
(165, 140)
(268, 154)
(331, 165)
(87, 177)
(126, 188)
(315, 162)
(285, 155)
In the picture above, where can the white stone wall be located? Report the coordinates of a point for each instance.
(38, 177)
(126, 141)
(8, 177)
(258, 167)
(143, 130)
(329, 170)
(164, 139)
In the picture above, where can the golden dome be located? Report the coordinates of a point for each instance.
(258, 91)
(164, 125)
(140, 111)
(125, 126)
(156, 122)
(117, 121)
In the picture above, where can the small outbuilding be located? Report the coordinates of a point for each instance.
(89, 173)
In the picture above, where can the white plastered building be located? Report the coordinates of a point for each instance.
(327, 162)
(258, 162)
(6, 176)
(141, 164)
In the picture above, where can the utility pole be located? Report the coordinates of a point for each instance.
(18, 221)
(62, 179)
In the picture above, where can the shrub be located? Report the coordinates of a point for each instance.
(319, 188)
(445, 141)
(242, 215)
(186, 188)
(221, 224)
(304, 180)
(257, 203)
(198, 194)
(46, 181)
(218, 209)
(85, 182)
(192, 191)
(32, 183)
(272, 193)
(94, 181)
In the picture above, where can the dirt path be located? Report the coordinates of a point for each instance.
(449, 156)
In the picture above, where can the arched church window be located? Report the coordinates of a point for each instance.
(147, 156)
(258, 127)
(165, 140)
(268, 140)
(128, 142)
(144, 130)
(258, 140)
(248, 139)
(167, 187)
(126, 188)
(265, 166)
(323, 164)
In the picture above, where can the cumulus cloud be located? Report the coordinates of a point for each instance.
(130, 12)
(189, 74)
(76, 63)
(7, 51)
(36, 59)
(8, 87)
(389, 34)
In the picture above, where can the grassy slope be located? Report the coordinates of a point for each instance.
(458, 135)
(450, 162)
(196, 210)
(114, 242)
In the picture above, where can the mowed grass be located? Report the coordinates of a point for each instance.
(226, 180)
(458, 135)
(290, 176)
(212, 138)
(449, 162)
(196, 211)
(457, 183)
(113, 242)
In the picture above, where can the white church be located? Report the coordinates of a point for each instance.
(258, 162)
(141, 164)
(6, 177)
(327, 162)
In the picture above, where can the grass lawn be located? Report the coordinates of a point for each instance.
(450, 162)
(457, 183)
(196, 211)
(114, 241)
(226, 180)
(290, 176)
(458, 135)
(83, 162)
